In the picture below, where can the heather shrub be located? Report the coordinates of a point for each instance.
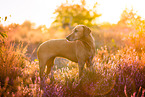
(12, 61)
(113, 74)
(120, 73)
(18, 75)
(128, 67)
(118, 69)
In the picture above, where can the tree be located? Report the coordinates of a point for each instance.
(137, 37)
(75, 14)
(28, 25)
(129, 18)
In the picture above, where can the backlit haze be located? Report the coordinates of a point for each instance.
(41, 11)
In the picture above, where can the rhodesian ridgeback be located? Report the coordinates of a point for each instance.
(78, 47)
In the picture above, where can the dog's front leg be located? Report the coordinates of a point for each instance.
(89, 62)
(81, 66)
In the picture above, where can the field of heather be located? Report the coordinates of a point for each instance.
(118, 69)
(118, 66)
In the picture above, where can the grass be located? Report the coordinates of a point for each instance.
(109, 76)
(118, 69)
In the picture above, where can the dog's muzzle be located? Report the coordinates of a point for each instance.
(69, 38)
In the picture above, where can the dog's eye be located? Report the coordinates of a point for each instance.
(76, 30)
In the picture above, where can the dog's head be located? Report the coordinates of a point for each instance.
(79, 32)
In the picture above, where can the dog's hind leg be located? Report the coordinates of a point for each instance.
(42, 65)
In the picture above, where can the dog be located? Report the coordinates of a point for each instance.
(78, 47)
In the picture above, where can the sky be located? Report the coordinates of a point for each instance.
(41, 11)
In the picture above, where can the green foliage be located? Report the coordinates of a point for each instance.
(3, 34)
(75, 14)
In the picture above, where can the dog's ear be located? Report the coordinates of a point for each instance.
(86, 30)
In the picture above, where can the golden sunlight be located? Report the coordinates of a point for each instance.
(41, 11)
(112, 9)
(107, 42)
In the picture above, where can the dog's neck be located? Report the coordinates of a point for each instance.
(88, 41)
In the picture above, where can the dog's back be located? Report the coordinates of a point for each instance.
(58, 48)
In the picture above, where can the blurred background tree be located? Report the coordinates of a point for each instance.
(74, 14)
(129, 18)
(28, 25)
